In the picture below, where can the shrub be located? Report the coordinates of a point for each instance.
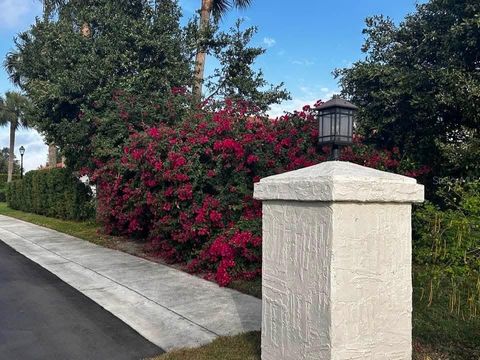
(447, 245)
(3, 185)
(187, 189)
(52, 192)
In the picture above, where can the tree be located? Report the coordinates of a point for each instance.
(209, 8)
(419, 86)
(12, 111)
(49, 8)
(4, 156)
(133, 47)
(236, 77)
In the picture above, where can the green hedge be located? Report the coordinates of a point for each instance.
(52, 192)
(3, 186)
(4, 177)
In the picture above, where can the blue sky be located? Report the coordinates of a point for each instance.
(305, 43)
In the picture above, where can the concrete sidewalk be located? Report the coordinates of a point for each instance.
(168, 307)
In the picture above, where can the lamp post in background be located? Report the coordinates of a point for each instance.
(335, 119)
(22, 151)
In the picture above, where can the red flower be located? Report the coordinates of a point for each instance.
(137, 153)
(215, 216)
(211, 173)
(154, 133)
(252, 159)
(196, 183)
(185, 192)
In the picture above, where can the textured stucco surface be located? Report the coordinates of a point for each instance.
(337, 265)
(339, 181)
(371, 286)
(296, 305)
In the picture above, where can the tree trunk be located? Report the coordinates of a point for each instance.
(11, 153)
(205, 13)
(52, 155)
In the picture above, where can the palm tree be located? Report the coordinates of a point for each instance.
(12, 111)
(215, 8)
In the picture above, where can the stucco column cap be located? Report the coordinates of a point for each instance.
(339, 181)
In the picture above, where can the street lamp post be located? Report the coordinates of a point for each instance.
(22, 151)
(335, 120)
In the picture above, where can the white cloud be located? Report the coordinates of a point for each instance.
(322, 93)
(14, 13)
(290, 106)
(303, 62)
(269, 41)
(35, 149)
(306, 96)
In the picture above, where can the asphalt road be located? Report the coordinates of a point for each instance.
(41, 317)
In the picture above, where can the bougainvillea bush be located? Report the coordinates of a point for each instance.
(187, 188)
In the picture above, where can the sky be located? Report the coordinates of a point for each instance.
(305, 41)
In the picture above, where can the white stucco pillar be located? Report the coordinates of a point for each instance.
(337, 263)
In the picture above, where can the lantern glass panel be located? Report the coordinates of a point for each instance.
(326, 126)
(329, 124)
(344, 125)
(322, 124)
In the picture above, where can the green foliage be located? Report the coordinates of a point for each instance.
(3, 184)
(54, 192)
(75, 60)
(236, 77)
(13, 109)
(4, 164)
(447, 245)
(453, 333)
(3, 179)
(419, 85)
(220, 7)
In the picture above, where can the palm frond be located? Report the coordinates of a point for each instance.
(10, 65)
(242, 4)
(220, 7)
(13, 109)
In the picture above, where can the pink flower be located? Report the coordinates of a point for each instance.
(215, 216)
(252, 159)
(154, 133)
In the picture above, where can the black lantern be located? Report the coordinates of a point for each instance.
(335, 118)
(22, 151)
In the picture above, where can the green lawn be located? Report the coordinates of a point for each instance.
(84, 230)
(438, 333)
(241, 347)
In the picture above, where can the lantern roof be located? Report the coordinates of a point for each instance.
(337, 102)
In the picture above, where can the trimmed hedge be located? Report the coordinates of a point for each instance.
(51, 192)
(3, 186)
